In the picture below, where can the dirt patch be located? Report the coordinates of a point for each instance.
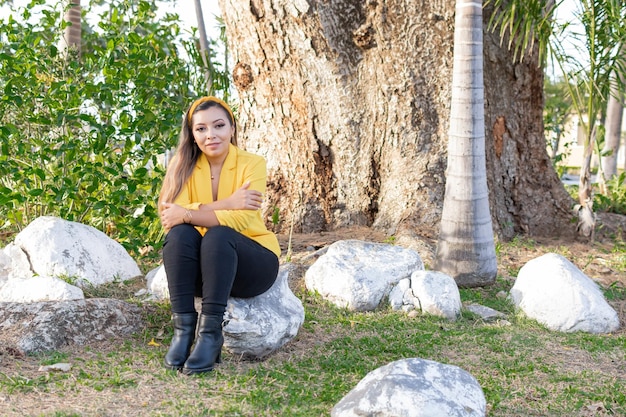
(305, 243)
(598, 259)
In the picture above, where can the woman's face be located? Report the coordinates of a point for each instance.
(212, 132)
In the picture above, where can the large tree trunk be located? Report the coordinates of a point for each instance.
(349, 102)
(526, 194)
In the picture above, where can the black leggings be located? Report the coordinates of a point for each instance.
(221, 264)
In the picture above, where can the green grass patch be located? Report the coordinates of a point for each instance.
(523, 367)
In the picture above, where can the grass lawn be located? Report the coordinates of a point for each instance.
(523, 368)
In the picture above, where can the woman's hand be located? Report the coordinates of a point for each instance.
(244, 199)
(173, 215)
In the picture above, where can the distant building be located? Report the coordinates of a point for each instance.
(571, 146)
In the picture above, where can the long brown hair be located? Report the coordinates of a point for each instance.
(182, 164)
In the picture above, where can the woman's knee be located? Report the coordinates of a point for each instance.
(220, 239)
(182, 234)
(219, 234)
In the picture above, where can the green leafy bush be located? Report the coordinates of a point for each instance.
(81, 136)
(615, 200)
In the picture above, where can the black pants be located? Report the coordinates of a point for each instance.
(220, 264)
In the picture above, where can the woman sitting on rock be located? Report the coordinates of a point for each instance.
(217, 244)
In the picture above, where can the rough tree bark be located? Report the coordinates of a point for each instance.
(349, 102)
(525, 192)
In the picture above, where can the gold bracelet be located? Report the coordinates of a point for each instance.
(187, 216)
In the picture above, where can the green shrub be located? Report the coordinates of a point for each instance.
(81, 137)
(615, 200)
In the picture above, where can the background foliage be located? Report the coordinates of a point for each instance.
(81, 137)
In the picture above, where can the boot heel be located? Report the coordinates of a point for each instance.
(184, 332)
(208, 349)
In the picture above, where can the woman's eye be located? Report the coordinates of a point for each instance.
(219, 125)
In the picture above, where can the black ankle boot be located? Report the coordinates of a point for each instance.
(184, 331)
(208, 349)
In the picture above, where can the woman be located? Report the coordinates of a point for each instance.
(217, 244)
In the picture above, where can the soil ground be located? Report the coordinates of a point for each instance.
(599, 259)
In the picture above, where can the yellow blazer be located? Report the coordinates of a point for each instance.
(239, 167)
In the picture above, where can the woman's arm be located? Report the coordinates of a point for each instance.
(252, 169)
(242, 199)
(173, 215)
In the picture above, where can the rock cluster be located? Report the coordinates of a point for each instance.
(43, 307)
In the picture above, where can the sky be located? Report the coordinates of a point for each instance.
(571, 44)
(187, 11)
(184, 8)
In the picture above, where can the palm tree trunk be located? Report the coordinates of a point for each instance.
(466, 249)
(72, 33)
(613, 131)
(204, 47)
(586, 216)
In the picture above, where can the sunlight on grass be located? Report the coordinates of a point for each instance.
(523, 368)
(514, 364)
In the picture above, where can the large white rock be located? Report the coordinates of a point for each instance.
(436, 294)
(34, 289)
(56, 247)
(358, 275)
(256, 326)
(553, 291)
(260, 325)
(414, 388)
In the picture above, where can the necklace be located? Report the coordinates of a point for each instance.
(218, 172)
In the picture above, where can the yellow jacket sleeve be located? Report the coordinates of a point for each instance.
(239, 167)
(240, 220)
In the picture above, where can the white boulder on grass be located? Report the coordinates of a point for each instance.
(414, 388)
(51, 252)
(34, 289)
(429, 292)
(253, 327)
(553, 291)
(358, 275)
(258, 326)
(60, 248)
(438, 293)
